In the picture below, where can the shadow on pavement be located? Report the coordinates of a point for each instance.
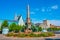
(52, 39)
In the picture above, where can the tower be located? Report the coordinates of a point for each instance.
(46, 24)
(28, 17)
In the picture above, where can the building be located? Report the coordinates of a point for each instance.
(46, 24)
(52, 26)
(20, 21)
(41, 25)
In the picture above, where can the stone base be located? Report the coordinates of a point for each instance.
(28, 31)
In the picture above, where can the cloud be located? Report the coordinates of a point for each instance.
(32, 12)
(55, 7)
(43, 10)
(49, 9)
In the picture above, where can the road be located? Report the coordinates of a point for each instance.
(2, 37)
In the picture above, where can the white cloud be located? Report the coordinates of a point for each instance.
(48, 9)
(55, 7)
(32, 12)
(43, 10)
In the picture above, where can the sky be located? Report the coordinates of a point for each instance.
(39, 10)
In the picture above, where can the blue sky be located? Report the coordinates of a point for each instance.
(39, 10)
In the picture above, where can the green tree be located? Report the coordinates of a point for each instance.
(23, 28)
(4, 24)
(12, 27)
(19, 28)
(53, 29)
(15, 28)
(39, 29)
(33, 28)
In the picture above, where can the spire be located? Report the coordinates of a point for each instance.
(28, 11)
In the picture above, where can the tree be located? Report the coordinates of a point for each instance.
(53, 29)
(33, 28)
(15, 28)
(39, 29)
(18, 28)
(12, 27)
(23, 28)
(4, 24)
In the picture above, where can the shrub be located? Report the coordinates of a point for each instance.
(53, 29)
(10, 34)
(32, 35)
(44, 35)
(15, 35)
(39, 35)
(21, 35)
(51, 34)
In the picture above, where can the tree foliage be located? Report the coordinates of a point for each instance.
(5, 23)
(12, 27)
(33, 28)
(53, 29)
(39, 29)
(36, 28)
(15, 28)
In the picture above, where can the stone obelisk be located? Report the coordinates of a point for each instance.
(28, 22)
(28, 17)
